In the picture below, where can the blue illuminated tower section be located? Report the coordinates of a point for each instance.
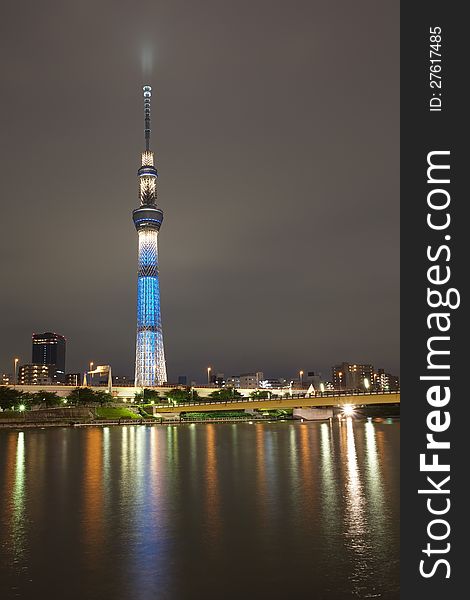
(150, 368)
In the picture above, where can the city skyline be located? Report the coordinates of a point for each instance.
(211, 372)
(282, 198)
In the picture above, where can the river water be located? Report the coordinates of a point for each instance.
(199, 511)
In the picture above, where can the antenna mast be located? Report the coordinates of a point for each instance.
(147, 95)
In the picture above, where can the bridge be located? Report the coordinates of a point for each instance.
(277, 400)
(319, 400)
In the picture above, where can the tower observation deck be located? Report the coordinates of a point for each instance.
(150, 368)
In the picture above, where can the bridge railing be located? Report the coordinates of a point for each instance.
(293, 396)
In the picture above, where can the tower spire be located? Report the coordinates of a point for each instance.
(147, 95)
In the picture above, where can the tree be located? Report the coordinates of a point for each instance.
(193, 395)
(146, 395)
(259, 394)
(47, 399)
(83, 395)
(183, 395)
(11, 398)
(225, 394)
(102, 397)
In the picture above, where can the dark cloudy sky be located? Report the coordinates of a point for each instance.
(275, 126)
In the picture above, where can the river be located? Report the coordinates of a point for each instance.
(284, 510)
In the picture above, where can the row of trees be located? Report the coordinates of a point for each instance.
(176, 395)
(12, 398)
(186, 394)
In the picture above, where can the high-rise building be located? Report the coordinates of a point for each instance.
(386, 382)
(348, 376)
(150, 367)
(49, 349)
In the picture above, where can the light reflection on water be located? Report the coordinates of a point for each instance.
(18, 531)
(374, 485)
(212, 487)
(177, 511)
(329, 488)
(354, 494)
(92, 519)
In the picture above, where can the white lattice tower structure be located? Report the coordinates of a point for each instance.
(150, 367)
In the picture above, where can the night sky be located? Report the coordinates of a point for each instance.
(276, 131)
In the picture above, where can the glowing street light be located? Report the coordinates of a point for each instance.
(322, 387)
(366, 384)
(340, 374)
(348, 410)
(15, 380)
(301, 375)
(22, 407)
(209, 375)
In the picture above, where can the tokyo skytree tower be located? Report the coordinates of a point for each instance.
(150, 368)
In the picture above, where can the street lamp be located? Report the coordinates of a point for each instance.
(15, 379)
(366, 384)
(301, 374)
(340, 374)
(209, 375)
(322, 387)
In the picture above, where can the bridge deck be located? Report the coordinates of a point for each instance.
(273, 403)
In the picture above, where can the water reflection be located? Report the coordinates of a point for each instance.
(354, 490)
(193, 449)
(106, 456)
(166, 512)
(373, 473)
(329, 492)
(306, 454)
(18, 500)
(354, 516)
(9, 474)
(294, 464)
(172, 444)
(93, 495)
(235, 449)
(262, 492)
(212, 485)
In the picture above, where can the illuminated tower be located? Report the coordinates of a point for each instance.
(150, 368)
